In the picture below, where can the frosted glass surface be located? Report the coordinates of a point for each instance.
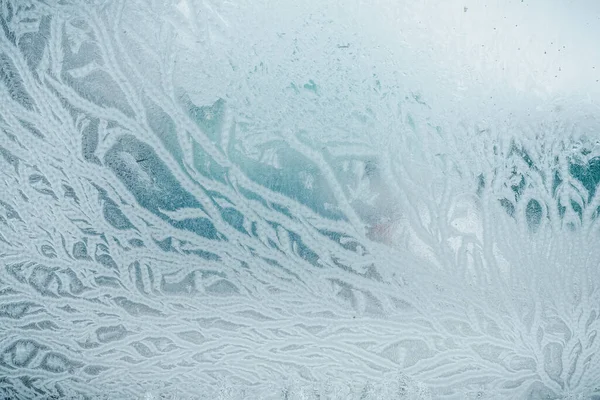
(320, 199)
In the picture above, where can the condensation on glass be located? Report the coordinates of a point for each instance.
(299, 199)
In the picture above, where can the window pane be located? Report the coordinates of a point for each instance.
(299, 200)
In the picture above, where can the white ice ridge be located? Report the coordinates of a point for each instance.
(318, 200)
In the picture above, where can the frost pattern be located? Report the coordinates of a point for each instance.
(196, 207)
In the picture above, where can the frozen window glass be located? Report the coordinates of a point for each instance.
(315, 199)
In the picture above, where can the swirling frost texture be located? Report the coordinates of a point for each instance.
(198, 201)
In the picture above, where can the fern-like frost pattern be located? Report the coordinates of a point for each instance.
(198, 201)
